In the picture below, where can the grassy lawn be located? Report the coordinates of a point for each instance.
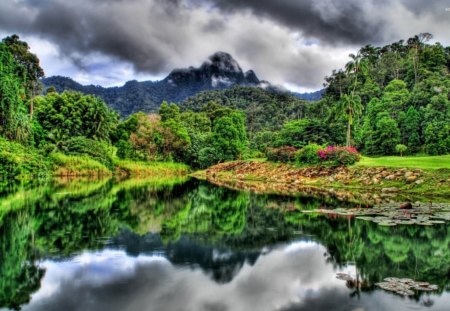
(422, 162)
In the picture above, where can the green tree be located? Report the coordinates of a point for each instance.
(72, 114)
(401, 149)
(351, 107)
(229, 136)
(437, 138)
(29, 67)
(386, 135)
(299, 133)
(14, 121)
(411, 126)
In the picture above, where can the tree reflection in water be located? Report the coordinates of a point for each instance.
(197, 224)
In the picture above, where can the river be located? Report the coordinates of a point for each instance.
(188, 245)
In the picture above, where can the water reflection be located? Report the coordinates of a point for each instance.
(289, 277)
(177, 245)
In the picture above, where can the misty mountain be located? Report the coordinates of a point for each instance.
(220, 71)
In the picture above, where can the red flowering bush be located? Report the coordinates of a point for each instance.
(339, 155)
(283, 154)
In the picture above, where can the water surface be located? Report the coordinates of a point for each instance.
(189, 245)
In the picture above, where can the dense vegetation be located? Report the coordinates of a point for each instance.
(388, 100)
(386, 96)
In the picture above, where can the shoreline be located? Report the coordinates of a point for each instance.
(355, 183)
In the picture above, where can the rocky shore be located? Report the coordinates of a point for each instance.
(374, 184)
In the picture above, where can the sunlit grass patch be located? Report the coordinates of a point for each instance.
(422, 162)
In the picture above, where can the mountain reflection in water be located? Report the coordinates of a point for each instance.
(194, 246)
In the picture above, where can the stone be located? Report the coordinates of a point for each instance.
(407, 174)
(391, 189)
(419, 181)
(406, 205)
(390, 177)
(411, 178)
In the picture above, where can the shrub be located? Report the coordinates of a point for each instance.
(401, 149)
(97, 150)
(18, 161)
(338, 156)
(283, 154)
(308, 154)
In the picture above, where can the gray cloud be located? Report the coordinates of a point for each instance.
(287, 41)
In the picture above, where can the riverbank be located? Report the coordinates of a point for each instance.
(374, 184)
(19, 163)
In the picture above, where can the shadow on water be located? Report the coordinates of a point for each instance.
(168, 242)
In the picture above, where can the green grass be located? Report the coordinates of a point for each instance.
(146, 169)
(421, 162)
(71, 165)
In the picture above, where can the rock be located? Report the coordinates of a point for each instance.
(419, 181)
(391, 189)
(407, 174)
(375, 181)
(411, 178)
(406, 205)
(390, 177)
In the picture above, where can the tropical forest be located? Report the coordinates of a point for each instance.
(208, 188)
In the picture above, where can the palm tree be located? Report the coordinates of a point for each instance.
(357, 65)
(351, 107)
(350, 104)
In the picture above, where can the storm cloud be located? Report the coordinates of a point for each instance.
(290, 42)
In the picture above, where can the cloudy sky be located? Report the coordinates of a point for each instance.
(294, 43)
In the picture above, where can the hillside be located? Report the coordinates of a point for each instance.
(220, 71)
(264, 110)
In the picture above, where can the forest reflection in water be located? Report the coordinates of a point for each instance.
(189, 245)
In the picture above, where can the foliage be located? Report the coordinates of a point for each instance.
(72, 114)
(339, 156)
(97, 150)
(437, 138)
(229, 138)
(386, 135)
(14, 118)
(18, 161)
(282, 154)
(400, 149)
(308, 154)
(299, 133)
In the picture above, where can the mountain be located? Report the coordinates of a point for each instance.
(312, 96)
(220, 71)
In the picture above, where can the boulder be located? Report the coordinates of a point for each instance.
(406, 205)
(411, 178)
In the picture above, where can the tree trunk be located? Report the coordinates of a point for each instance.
(348, 133)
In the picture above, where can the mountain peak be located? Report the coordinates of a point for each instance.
(221, 70)
(224, 62)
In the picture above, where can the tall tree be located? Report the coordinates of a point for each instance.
(30, 68)
(351, 107)
(14, 122)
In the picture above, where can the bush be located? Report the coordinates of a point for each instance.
(18, 161)
(97, 150)
(400, 148)
(338, 156)
(283, 154)
(308, 154)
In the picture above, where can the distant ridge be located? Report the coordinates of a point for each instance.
(220, 71)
